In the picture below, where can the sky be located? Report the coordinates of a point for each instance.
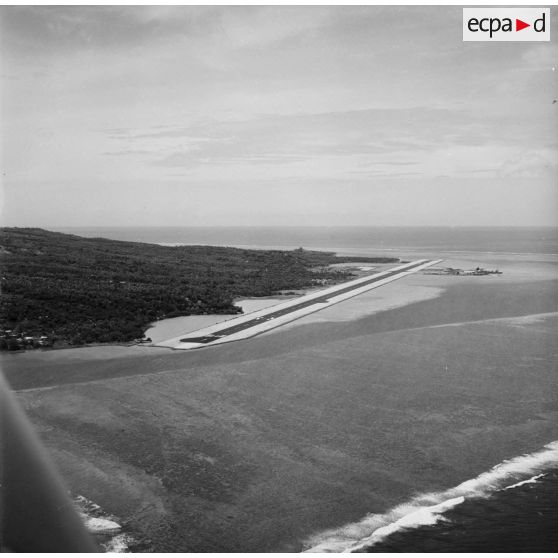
(218, 116)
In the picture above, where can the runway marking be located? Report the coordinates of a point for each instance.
(254, 323)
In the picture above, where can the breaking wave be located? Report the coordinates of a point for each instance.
(429, 509)
(107, 532)
(532, 480)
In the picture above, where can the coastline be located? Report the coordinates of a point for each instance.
(114, 290)
(257, 445)
(278, 278)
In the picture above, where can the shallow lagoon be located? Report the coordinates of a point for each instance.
(259, 445)
(172, 327)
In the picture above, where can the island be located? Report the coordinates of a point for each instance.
(62, 289)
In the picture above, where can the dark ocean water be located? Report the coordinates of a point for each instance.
(521, 519)
(436, 239)
(513, 507)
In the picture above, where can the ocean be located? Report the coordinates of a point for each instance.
(512, 507)
(520, 518)
(541, 240)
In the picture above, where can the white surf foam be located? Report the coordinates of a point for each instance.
(119, 543)
(423, 516)
(532, 480)
(428, 509)
(99, 523)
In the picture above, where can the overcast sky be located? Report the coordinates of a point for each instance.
(272, 116)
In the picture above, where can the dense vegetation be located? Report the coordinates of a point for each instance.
(84, 290)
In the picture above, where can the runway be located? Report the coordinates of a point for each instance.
(254, 323)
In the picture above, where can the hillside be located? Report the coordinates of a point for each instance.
(85, 290)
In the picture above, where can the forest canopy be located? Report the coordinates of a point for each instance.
(85, 290)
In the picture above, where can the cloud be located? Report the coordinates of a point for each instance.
(294, 137)
(46, 28)
(371, 142)
(531, 163)
(260, 95)
(540, 57)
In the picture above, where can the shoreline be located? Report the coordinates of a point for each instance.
(264, 320)
(470, 259)
(34, 360)
(116, 289)
(430, 508)
(195, 321)
(370, 486)
(257, 445)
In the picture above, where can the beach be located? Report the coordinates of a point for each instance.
(264, 444)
